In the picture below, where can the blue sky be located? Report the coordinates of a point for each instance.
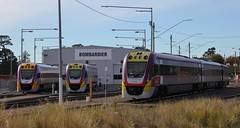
(218, 21)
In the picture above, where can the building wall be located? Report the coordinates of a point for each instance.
(107, 60)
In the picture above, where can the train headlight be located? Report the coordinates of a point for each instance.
(130, 57)
(145, 57)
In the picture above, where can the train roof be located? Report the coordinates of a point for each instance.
(168, 56)
(186, 59)
(80, 64)
(39, 65)
(210, 63)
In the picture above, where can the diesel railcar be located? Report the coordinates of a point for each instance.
(148, 74)
(32, 77)
(78, 77)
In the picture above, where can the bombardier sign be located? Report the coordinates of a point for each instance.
(93, 54)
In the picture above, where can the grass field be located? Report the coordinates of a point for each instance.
(200, 113)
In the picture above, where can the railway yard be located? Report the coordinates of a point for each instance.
(15, 100)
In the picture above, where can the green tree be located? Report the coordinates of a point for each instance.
(231, 62)
(8, 62)
(209, 52)
(216, 58)
(26, 57)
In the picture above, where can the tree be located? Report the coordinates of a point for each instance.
(77, 45)
(5, 40)
(216, 58)
(8, 62)
(142, 48)
(26, 57)
(231, 62)
(209, 52)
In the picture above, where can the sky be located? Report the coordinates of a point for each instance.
(214, 23)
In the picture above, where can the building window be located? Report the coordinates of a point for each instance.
(117, 77)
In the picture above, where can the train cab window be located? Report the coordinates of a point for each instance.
(75, 74)
(26, 74)
(136, 69)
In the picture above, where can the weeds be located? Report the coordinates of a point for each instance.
(198, 113)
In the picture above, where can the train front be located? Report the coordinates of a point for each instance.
(26, 77)
(136, 74)
(75, 81)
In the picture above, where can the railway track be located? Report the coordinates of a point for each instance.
(211, 93)
(20, 103)
(227, 93)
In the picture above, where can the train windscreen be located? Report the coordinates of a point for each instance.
(26, 74)
(136, 69)
(75, 74)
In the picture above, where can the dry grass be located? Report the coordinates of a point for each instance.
(201, 113)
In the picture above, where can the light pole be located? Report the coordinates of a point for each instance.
(235, 62)
(22, 31)
(144, 42)
(235, 67)
(172, 27)
(136, 38)
(171, 35)
(133, 46)
(31, 30)
(60, 53)
(151, 23)
(136, 31)
(186, 38)
(199, 46)
(224, 56)
(40, 39)
(34, 47)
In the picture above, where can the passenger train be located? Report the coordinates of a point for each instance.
(32, 77)
(148, 74)
(78, 77)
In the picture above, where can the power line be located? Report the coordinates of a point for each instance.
(109, 15)
(213, 37)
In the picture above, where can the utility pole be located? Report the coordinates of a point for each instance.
(189, 50)
(179, 50)
(171, 44)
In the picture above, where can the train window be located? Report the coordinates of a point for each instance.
(136, 69)
(155, 69)
(26, 74)
(168, 70)
(75, 74)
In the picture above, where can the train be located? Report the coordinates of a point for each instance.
(79, 76)
(148, 74)
(33, 77)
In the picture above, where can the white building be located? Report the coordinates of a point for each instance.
(107, 60)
